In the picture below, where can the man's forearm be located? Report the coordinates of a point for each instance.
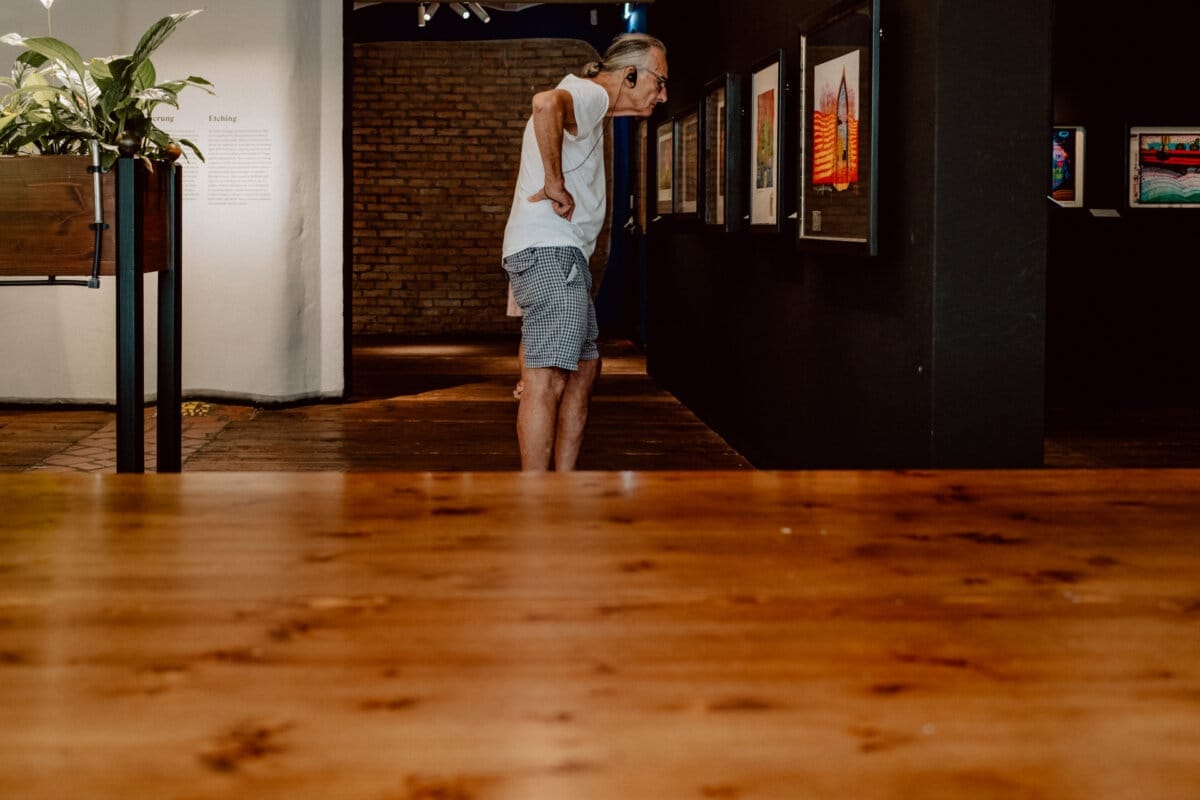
(551, 118)
(553, 114)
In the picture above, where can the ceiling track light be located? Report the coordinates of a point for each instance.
(431, 10)
(422, 15)
(478, 11)
(458, 9)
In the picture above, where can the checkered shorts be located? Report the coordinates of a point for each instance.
(553, 287)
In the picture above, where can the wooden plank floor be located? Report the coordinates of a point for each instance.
(417, 405)
(447, 405)
(735, 635)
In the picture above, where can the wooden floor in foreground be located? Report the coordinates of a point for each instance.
(728, 635)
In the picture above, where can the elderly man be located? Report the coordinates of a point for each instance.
(557, 212)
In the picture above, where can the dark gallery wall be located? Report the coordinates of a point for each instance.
(930, 353)
(1121, 290)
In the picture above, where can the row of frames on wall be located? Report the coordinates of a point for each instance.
(720, 161)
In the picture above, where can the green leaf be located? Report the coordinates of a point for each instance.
(193, 80)
(42, 93)
(116, 91)
(144, 76)
(178, 86)
(99, 69)
(28, 60)
(158, 137)
(158, 33)
(157, 94)
(186, 143)
(57, 51)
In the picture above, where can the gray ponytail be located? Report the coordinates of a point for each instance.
(626, 50)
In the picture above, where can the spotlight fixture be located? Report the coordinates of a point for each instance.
(422, 15)
(479, 12)
(462, 12)
(431, 10)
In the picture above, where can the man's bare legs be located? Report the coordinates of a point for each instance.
(553, 413)
(537, 416)
(573, 414)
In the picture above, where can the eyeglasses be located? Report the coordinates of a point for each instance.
(662, 82)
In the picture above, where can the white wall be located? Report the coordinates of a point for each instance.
(262, 238)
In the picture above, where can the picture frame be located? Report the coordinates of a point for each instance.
(837, 193)
(1066, 165)
(664, 163)
(687, 162)
(768, 86)
(641, 201)
(1164, 167)
(721, 135)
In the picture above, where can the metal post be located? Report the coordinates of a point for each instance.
(170, 313)
(131, 437)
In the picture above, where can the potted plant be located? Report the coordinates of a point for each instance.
(58, 104)
(78, 111)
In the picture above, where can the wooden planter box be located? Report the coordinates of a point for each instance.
(47, 210)
(47, 215)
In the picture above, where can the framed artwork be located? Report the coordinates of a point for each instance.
(1164, 167)
(640, 198)
(687, 161)
(766, 143)
(721, 145)
(664, 137)
(837, 197)
(1066, 165)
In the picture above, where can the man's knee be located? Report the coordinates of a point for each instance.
(545, 379)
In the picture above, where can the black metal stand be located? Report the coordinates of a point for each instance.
(170, 335)
(131, 438)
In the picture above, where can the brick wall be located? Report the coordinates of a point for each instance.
(436, 140)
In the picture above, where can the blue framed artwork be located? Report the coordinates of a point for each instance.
(1066, 165)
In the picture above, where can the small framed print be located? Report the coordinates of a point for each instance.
(641, 199)
(1066, 165)
(687, 162)
(766, 143)
(664, 138)
(721, 145)
(837, 195)
(1164, 167)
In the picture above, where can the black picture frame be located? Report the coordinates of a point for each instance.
(664, 169)
(1067, 143)
(722, 143)
(837, 194)
(641, 181)
(1162, 164)
(767, 110)
(686, 184)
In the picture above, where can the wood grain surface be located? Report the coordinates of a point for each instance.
(1020, 634)
(47, 207)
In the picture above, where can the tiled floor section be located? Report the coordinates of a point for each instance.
(96, 452)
